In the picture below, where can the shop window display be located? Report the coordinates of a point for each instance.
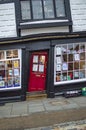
(70, 62)
(10, 74)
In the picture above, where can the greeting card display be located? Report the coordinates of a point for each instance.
(58, 51)
(2, 84)
(58, 59)
(58, 67)
(76, 57)
(16, 81)
(64, 66)
(10, 83)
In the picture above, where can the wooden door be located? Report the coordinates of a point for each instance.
(38, 67)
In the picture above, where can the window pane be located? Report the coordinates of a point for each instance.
(37, 9)
(2, 56)
(12, 54)
(60, 8)
(25, 10)
(48, 8)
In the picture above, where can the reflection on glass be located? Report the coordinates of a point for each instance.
(60, 8)
(9, 64)
(65, 58)
(76, 65)
(9, 54)
(70, 49)
(35, 67)
(12, 54)
(82, 56)
(2, 65)
(42, 60)
(15, 53)
(35, 59)
(82, 74)
(25, 10)
(48, 8)
(2, 74)
(76, 48)
(82, 65)
(70, 57)
(37, 9)
(64, 49)
(82, 47)
(70, 66)
(2, 56)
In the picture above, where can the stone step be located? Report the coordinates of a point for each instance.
(35, 95)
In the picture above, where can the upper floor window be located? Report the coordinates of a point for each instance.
(42, 9)
(48, 8)
(25, 10)
(37, 9)
(60, 8)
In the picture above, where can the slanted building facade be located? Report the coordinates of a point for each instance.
(42, 47)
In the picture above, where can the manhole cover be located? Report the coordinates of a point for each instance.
(63, 102)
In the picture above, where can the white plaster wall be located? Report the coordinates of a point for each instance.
(78, 12)
(26, 32)
(7, 20)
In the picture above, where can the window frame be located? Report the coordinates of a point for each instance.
(11, 73)
(58, 62)
(67, 12)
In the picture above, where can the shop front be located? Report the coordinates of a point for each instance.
(69, 65)
(50, 66)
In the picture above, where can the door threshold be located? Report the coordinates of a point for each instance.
(36, 95)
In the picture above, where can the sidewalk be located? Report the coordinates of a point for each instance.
(41, 105)
(36, 113)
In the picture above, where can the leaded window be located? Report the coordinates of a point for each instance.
(42, 9)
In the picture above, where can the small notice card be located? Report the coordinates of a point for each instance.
(76, 57)
(58, 60)
(58, 68)
(64, 66)
(58, 50)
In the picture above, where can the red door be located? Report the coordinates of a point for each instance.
(38, 66)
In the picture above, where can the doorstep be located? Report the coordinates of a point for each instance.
(35, 95)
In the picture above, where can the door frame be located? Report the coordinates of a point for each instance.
(28, 55)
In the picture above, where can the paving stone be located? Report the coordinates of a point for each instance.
(5, 111)
(38, 108)
(70, 106)
(19, 109)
